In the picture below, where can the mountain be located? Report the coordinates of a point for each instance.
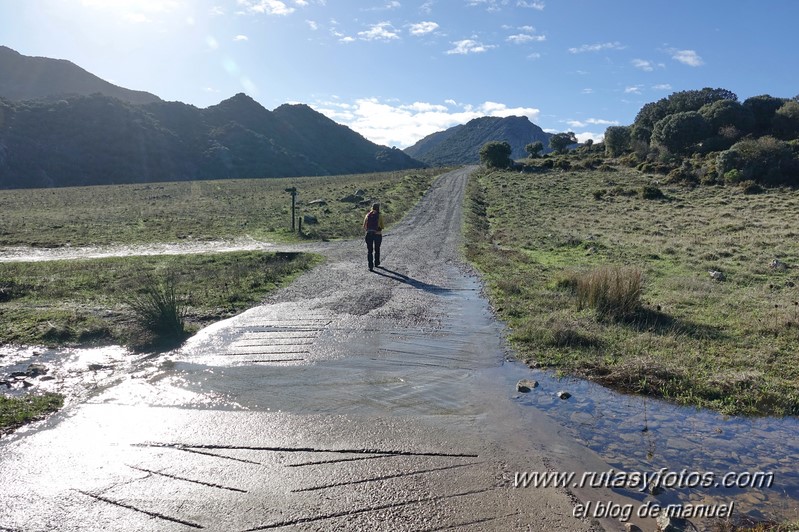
(31, 78)
(96, 139)
(461, 144)
(62, 126)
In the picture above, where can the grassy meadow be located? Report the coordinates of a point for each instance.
(86, 302)
(201, 210)
(730, 344)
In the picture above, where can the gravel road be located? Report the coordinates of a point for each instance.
(349, 400)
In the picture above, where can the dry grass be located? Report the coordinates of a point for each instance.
(660, 324)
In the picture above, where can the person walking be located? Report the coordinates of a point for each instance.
(373, 225)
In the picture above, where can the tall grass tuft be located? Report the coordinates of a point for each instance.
(159, 312)
(613, 291)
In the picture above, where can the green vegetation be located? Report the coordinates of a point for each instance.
(96, 139)
(17, 411)
(596, 281)
(496, 154)
(707, 137)
(200, 210)
(97, 302)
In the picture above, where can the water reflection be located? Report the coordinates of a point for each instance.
(634, 433)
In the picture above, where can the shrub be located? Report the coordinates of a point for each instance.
(613, 291)
(750, 187)
(159, 312)
(651, 192)
(765, 160)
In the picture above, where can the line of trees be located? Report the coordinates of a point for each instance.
(707, 135)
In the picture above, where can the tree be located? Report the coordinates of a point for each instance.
(534, 148)
(786, 121)
(560, 142)
(684, 101)
(496, 154)
(680, 132)
(725, 113)
(763, 108)
(617, 140)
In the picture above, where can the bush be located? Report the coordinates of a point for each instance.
(651, 192)
(765, 160)
(750, 187)
(613, 291)
(159, 313)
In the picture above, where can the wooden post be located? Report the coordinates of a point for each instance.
(293, 192)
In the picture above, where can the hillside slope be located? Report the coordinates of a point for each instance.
(31, 78)
(461, 144)
(88, 140)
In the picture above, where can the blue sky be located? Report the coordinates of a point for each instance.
(398, 70)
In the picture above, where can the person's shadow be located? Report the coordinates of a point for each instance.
(410, 281)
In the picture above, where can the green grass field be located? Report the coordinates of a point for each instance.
(200, 210)
(731, 345)
(83, 302)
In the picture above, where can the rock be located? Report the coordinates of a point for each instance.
(47, 378)
(319, 202)
(7, 383)
(352, 198)
(629, 527)
(778, 265)
(525, 385)
(673, 524)
(563, 395)
(309, 220)
(716, 275)
(98, 367)
(34, 370)
(27, 384)
(360, 192)
(590, 251)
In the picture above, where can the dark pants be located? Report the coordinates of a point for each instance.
(373, 242)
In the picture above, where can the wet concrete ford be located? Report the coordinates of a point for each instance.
(350, 400)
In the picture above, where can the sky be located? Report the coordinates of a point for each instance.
(396, 71)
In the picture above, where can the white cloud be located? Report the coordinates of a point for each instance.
(688, 57)
(533, 5)
(632, 89)
(312, 24)
(597, 47)
(426, 8)
(587, 135)
(592, 122)
(522, 38)
(422, 28)
(382, 31)
(643, 64)
(301, 3)
(588, 91)
(267, 7)
(534, 55)
(469, 46)
(216, 11)
(402, 125)
(241, 38)
(662, 87)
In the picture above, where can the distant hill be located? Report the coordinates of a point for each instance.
(62, 126)
(89, 140)
(32, 78)
(461, 144)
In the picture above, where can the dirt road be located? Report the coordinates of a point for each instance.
(348, 401)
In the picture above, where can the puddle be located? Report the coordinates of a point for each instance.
(638, 434)
(72, 372)
(29, 254)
